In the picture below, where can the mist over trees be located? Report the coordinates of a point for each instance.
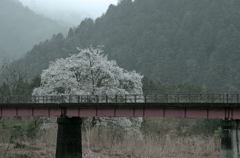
(170, 41)
(21, 28)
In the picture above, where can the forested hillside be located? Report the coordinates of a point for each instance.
(171, 41)
(21, 28)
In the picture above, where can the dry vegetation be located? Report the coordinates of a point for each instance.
(99, 142)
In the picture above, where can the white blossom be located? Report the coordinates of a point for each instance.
(91, 73)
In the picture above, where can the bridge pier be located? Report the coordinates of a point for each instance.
(69, 138)
(230, 139)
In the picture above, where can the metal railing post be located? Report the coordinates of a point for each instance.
(97, 98)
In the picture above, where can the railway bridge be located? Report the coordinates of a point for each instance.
(70, 109)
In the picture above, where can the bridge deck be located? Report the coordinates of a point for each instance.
(175, 106)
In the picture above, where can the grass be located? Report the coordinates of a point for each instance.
(162, 138)
(155, 146)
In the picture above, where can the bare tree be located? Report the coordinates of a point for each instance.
(12, 75)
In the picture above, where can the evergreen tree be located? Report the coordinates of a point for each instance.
(175, 41)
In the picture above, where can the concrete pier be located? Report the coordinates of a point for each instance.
(69, 139)
(230, 139)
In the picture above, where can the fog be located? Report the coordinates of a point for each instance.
(69, 11)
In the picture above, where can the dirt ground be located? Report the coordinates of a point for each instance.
(38, 151)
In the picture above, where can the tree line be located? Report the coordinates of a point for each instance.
(171, 41)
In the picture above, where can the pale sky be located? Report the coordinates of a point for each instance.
(60, 8)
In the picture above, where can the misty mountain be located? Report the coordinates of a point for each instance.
(21, 28)
(3, 53)
(65, 18)
(171, 41)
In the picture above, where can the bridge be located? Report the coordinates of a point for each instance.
(213, 106)
(71, 108)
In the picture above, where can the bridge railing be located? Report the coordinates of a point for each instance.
(133, 98)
